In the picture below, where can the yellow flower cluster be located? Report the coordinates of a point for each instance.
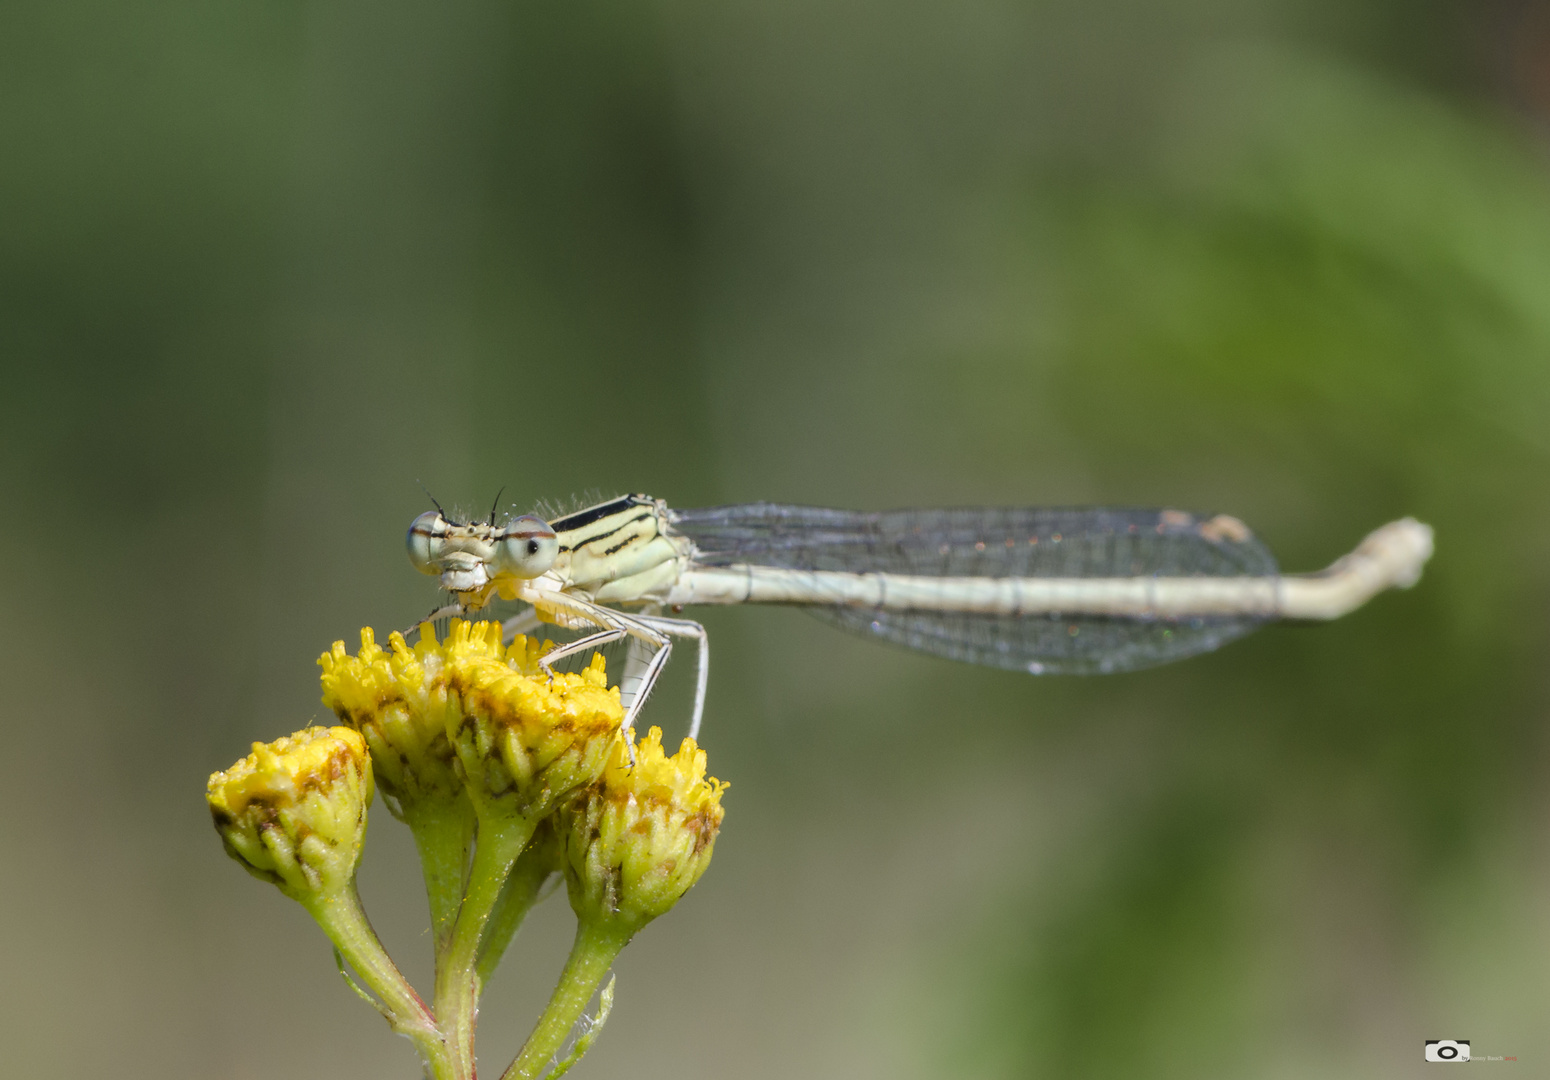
(398, 699)
(293, 812)
(469, 714)
(480, 748)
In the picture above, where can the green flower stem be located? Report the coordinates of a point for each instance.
(597, 945)
(500, 840)
(344, 921)
(443, 831)
(527, 878)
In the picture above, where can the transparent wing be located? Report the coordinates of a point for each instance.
(1042, 645)
(999, 542)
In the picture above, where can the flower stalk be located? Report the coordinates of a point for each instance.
(443, 832)
(538, 862)
(593, 952)
(344, 921)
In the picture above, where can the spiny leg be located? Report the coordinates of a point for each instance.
(637, 660)
(648, 681)
(687, 628)
(581, 644)
(616, 627)
(572, 610)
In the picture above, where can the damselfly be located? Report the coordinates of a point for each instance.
(1039, 590)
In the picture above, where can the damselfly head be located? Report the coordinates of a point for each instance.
(468, 557)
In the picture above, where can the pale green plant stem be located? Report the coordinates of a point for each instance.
(521, 891)
(443, 830)
(498, 843)
(596, 946)
(344, 921)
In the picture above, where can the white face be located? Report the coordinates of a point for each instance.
(469, 557)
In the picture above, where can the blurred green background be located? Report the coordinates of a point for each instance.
(264, 269)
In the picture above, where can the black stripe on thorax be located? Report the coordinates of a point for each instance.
(592, 538)
(582, 518)
(633, 538)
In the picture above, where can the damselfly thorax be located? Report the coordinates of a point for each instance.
(1034, 589)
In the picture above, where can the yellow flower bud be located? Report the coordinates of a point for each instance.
(524, 739)
(640, 837)
(397, 701)
(409, 702)
(293, 812)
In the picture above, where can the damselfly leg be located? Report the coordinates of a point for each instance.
(688, 628)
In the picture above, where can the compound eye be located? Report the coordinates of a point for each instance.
(426, 540)
(526, 548)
